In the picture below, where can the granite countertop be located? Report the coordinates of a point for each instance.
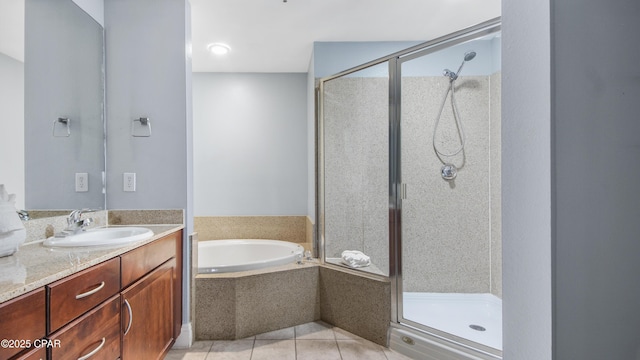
(35, 266)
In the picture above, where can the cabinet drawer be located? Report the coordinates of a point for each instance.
(136, 263)
(72, 296)
(39, 353)
(22, 318)
(97, 332)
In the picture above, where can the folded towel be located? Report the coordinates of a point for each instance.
(9, 219)
(12, 232)
(355, 259)
(11, 241)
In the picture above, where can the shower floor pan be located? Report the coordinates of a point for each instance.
(476, 317)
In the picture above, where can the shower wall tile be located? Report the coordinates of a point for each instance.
(310, 231)
(496, 185)
(449, 228)
(446, 224)
(356, 167)
(286, 228)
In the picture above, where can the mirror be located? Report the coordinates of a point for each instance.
(57, 128)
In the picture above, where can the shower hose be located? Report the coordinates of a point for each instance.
(456, 116)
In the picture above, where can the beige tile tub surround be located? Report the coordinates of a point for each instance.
(234, 306)
(136, 217)
(357, 304)
(287, 228)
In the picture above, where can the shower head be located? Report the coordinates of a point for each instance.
(469, 55)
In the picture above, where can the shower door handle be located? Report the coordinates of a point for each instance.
(403, 191)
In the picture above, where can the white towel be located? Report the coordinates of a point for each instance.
(12, 231)
(355, 259)
(11, 241)
(9, 219)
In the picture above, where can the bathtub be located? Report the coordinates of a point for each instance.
(220, 256)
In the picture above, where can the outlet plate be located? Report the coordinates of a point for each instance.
(82, 182)
(129, 181)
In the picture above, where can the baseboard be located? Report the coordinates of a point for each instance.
(185, 339)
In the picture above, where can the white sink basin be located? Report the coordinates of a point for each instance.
(113, 236)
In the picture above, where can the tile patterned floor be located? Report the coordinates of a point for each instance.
(311, 341)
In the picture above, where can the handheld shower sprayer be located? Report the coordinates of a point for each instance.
(468, 56)
(449, 170)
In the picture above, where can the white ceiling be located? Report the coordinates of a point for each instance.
(274, 36)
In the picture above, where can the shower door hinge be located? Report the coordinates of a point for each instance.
(403, 191)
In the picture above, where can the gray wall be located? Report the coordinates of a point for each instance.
(570, 121)
(148, 75)
(12, 134)
(526, 180)
(333, 57)
(95, 8)
(63, 78)
(250, 148)
(596, 173)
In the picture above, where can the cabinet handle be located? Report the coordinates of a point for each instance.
(130, 317)
(90, 292)
(94, 351)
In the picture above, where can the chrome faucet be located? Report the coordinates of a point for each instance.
(24, 215)
(75, 223)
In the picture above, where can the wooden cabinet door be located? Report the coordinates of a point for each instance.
(22, 319)
(147, 314)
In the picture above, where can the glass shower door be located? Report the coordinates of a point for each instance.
(354, 170)
(448, 160)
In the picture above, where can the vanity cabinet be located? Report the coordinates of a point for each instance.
(151, 298)
(127, 307)
(22, 319)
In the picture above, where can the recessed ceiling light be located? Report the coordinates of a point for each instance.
(218, 48)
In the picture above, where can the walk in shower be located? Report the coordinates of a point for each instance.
(409, 179)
